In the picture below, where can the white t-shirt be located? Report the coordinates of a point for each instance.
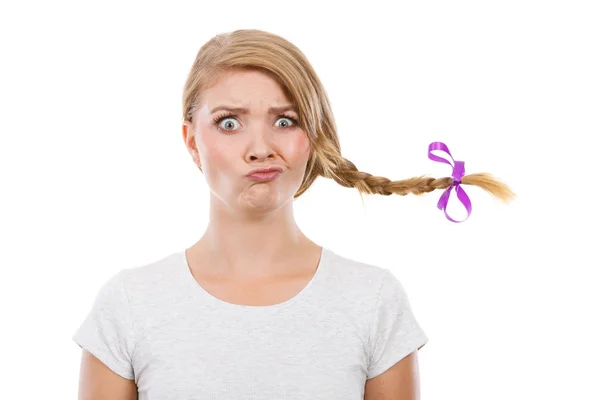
(156, 325)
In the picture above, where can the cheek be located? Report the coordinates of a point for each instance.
(298, 149)
(213, 151)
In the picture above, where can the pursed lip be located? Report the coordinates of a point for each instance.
(264, 170)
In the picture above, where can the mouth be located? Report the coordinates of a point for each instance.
(266, 176)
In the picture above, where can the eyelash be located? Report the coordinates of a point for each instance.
(217, 121)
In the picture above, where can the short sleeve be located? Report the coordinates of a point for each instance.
(107, 330)
(394, 331)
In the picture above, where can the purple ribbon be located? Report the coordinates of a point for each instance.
(458, 171)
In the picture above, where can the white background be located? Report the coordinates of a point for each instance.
(95, 176)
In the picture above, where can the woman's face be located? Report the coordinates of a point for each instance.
(228, 144)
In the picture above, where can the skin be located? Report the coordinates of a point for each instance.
(400, 382)
(252, 234)
(98, 382)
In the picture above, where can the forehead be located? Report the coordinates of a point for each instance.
(244, 88)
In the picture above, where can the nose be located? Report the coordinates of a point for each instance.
(260, 147)
(255, 157)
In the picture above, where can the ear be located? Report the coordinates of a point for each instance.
(190, 142)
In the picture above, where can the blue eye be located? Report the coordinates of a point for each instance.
(294, 121)
(217, 121)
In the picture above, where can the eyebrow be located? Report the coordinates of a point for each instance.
(241, 110)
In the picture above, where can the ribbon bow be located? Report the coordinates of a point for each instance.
(458, 171)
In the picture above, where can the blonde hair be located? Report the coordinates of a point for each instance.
(259, 50)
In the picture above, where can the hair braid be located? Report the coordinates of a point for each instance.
(349, 176)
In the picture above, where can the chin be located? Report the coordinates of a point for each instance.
(262, 202)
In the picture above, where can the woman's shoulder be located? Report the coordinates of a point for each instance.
(351, 271)
(157, 277)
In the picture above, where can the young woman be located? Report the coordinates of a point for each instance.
(255, 309)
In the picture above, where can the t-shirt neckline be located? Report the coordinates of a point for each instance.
(251, 312)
